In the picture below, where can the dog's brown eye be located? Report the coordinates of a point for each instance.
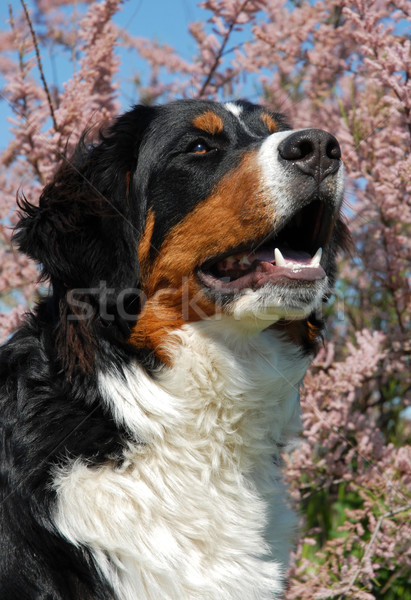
(199, 148)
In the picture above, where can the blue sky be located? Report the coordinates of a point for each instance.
(165, 20)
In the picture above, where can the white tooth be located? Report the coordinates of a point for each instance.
(279, 258)
(315, 261)
(244, 261)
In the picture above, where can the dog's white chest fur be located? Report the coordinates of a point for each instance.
(198, 509)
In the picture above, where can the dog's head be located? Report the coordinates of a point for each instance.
(185, 211)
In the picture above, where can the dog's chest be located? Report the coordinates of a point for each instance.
(198, 509)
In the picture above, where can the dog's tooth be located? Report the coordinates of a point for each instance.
(315, 261)
(229, 262)
(279, 258)
(244, 261)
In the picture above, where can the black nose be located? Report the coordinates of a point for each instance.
(314, 151)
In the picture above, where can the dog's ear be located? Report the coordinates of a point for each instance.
(85, 230)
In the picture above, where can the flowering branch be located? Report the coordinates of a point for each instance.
(368, 549)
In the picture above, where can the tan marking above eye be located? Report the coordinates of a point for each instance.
(269, 122)
(209, 122)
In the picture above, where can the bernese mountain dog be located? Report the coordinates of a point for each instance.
(146, 401)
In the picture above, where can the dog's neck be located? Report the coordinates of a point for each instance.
(252, 381)
(241, 389)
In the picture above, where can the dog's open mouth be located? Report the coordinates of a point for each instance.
(292, 255)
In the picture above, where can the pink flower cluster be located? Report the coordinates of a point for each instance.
(345, 457)
(341, 65)
(39, 145)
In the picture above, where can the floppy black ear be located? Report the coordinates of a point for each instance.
(85, 231)
(86, 226)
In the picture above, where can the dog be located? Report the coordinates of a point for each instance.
(147, 399)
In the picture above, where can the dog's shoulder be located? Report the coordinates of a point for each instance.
(42, 420)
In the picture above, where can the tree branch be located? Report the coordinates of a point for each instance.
(39, 63)
(221, 51)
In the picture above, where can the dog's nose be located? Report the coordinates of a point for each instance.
(314, 151)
